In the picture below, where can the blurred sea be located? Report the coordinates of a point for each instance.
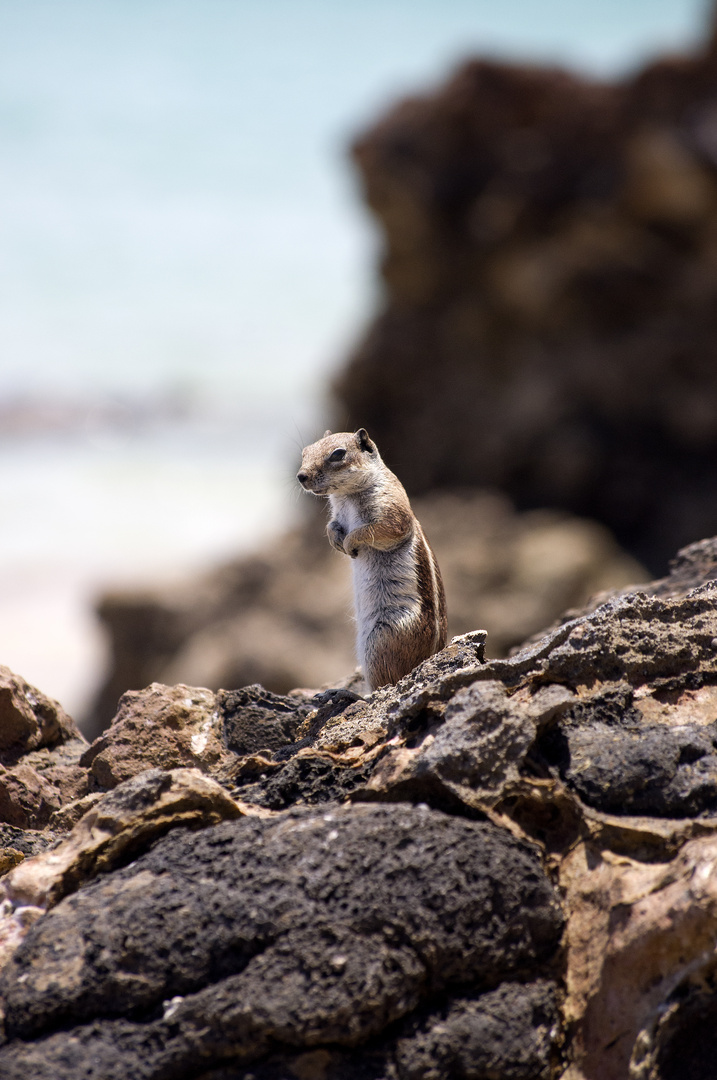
(184, 260)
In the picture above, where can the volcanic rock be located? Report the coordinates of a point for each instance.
(273, 931)
(468, 1038)
(110, 830)
(117, 826)
(16, 844)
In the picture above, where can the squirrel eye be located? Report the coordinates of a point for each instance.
(338, 455)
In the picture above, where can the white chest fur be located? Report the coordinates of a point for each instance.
(346, 512)
(385, 582)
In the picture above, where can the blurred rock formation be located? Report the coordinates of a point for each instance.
(550, 317)
(282, 617)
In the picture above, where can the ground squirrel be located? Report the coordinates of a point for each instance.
(398, 591)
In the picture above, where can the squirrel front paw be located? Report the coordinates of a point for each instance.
(350, 546)
(336, 534)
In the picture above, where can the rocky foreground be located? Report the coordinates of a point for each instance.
(502, 869)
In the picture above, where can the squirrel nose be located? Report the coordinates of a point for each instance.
(302, 477)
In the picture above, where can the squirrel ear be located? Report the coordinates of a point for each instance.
(363, 440)
(327, 432)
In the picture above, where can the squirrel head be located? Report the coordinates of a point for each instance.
(340, 464)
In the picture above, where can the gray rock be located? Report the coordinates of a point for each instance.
(507, 1033)
(649, 770)
(254, 719)
(475, 754)
(26, 841)
(308, 928)
(619, 763)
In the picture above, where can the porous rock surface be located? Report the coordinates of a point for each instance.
(308, 928)
(40, 748)
(497, 868)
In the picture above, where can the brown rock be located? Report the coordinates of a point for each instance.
(164, 727)
(27, 800)
(121, 823)
(9, 857)
(40, 746)
(68, 815)
(475, 756)
(61, 768)
(637, 933)
(29, 719)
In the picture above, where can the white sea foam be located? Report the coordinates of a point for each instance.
(83, 512)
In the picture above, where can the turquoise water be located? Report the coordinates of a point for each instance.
(184, 259)
(175, 203)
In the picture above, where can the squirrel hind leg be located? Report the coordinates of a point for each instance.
(389, 655)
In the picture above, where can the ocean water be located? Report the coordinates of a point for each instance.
(184, 260)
